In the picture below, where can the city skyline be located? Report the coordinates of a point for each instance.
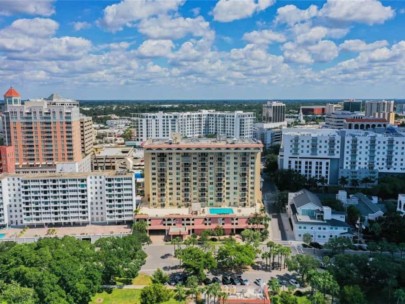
(233, 49)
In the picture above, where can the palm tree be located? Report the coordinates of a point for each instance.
(214, 290)
(399, 294)
(192, 240)
(222, 297)
(274, 286)
(343, 181)
(176, 242)
(180, 293)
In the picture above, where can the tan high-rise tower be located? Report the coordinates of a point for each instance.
(43, 132)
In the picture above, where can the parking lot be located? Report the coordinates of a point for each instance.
(161, 256)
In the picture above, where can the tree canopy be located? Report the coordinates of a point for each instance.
(235, 256)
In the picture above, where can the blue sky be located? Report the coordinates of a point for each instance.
(203, 49)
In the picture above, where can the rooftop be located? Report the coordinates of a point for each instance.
(302, 132)
(203, 143)
(67, 175)
(11, 92)
(115, 151)
(164, 212)
(303, 197)
(370, 119)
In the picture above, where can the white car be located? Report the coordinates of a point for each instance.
(294, 283)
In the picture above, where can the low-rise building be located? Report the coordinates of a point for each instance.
(113, 158)
(308, 215)
(269, 133)
(66, 199)
(179, 222)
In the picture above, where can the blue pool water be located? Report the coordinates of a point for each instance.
(221, 211)
(2, 235)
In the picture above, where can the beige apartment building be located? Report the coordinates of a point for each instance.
(43, 132)
(86, 135)
(210, 172)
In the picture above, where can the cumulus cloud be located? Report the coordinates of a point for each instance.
(118, 15)
(264, 37)
(291, 15)
(313, 35)
(156, 48)
(361, 11)
(230, 10)
(296, 54)
(32, 39)
(81, 25)
(324, 51)
(39, 8)
(167, 27)
(357, 45)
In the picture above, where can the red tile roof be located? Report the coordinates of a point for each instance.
(12, 93)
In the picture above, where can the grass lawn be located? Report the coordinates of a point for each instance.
(123, 296)
(142, 279)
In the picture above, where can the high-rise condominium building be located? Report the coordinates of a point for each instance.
(381, 109)
(43, 132)
(353, 154)
(273, 111)
(210, 172)
(352, 105)
(86, 135)
(193, 124)
(65, 199)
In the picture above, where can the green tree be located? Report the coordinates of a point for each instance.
(307, 238)
(274, 286)
(271, 164)
(160, 277)
(232, 255)
(399, 296)
(191, 241)
(323, 282)
(155, 294)
(180, 292)
(251, 237)
(353, 214)
(303, 264)
(176, 242)
(195, 261)
(338, 244)
(127, 135)
(13, 293)
(193, 288)
(352, 295)
(343, 181)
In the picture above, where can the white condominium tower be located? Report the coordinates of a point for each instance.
(353, 154)
(193, 124)
(273, 111)
(381, 109)
(66, 199)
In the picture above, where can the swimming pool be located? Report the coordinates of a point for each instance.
(221, 211)
(2, 235)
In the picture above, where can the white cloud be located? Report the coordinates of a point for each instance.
(165, 27)
(357, 45)
(291, 15)
(263, 37)
(118, 15)
(313, 35)
(30, 7)
(296, 54)
(324, 51)
(230, 10)
(156, 48)
(81, 25)
(361, 11)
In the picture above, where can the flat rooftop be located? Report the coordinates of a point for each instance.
(307, 131)
(163, 212)
(203, 143)
(66, 175)
(115, 151)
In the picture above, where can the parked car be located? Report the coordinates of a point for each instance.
(216, 280)
(226, 280)
(234, 281)
(294, 283)
(258, 282)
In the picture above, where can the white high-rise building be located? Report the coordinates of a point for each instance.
(381, 109)
(193, 124)
(353, 154)
(66, 199)
(273, 111)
